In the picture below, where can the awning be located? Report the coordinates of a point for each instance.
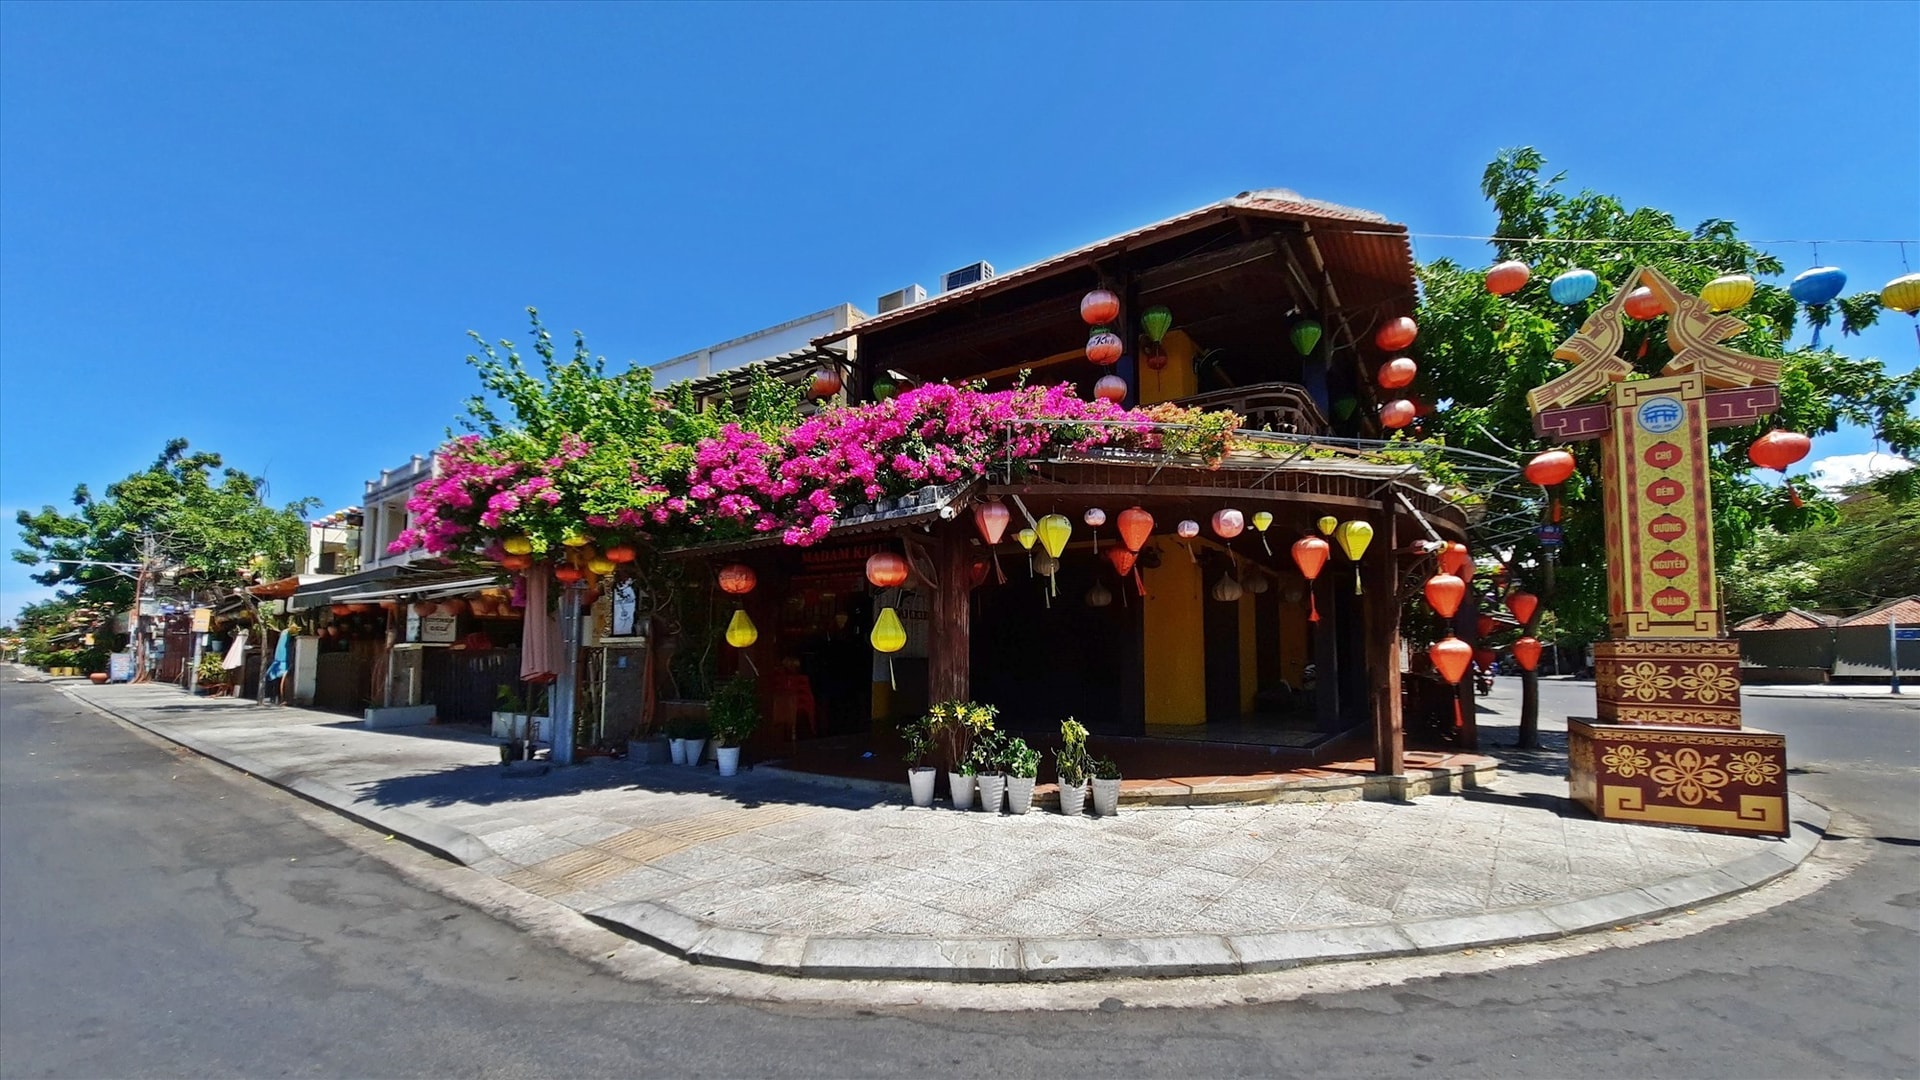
(321, 593)
(420, 590)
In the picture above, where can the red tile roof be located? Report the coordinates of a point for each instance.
(1790, 619)
(1904, 612)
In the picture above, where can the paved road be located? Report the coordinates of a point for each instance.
(159, 916)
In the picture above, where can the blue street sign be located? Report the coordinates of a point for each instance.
(1551, 535)
(1908, 633)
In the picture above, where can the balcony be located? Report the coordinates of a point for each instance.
(1274, 406)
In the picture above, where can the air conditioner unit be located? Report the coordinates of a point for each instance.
(894, 301)
(966, 275)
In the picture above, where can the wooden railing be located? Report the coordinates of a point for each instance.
(1275, 406)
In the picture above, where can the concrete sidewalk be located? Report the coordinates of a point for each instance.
(775, 874)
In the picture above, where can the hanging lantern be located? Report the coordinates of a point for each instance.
(517, 545)
(1444, 593)
(1523, 605)
(741, 633)
(1188, 529)
(1450, 657)
(886, 569)
(567, 574)
(600, 565)
(1305, 334)
(620, 553)
(888, 634)
(977, 570)
(1484, 656)
(823, 383)
(1485, 625)
(1573, 286)
(1344, 408)
(1327, 524)
(1154, 355)
(1136, 525)
(1902, 294)
(423, 608)
(1396, 414)
(885, 390)
(1550, 468)
(1262, 520)
(1047, 566)
(576, 540)
(1818, 286)
(1396, 373)
(1054, 530)
(991, 519)
(1727, 292)
(1099, 306)
(1156, 321)
(1094, 517)
(1778, 450)
(1353, 538)
(1228, 523)
(1397, 334)
(1506, 278)
(1526, 653)
(1643, 304)
(1453, 557)
(1104, 346)
(1027, 538)
(737, 579)
(1227, 590)
(516, 563)
(1310, 554)
(1122, 560)
(1099, 595)
(1111, 388)
(1257, 584)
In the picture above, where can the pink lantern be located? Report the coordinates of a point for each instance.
(1099, 306)
(1111, 388)
(1228, 523)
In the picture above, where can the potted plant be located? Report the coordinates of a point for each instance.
(989, 775)
(734, 714)
(697, 729)
(954, 726)
(1071, 766)
(1022, 763)
(210, 676)
(513, 715)
(918, 736)
(1106, 787)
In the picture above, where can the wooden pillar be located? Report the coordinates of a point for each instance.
(1326, 658)
(950, 637)
(1383, 651)
(1128, 327)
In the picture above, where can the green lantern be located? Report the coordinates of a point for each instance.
(1343, 409)
(1305, 335)
(1156, 321)
(884, 389)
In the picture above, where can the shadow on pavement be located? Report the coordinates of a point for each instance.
(488, 785)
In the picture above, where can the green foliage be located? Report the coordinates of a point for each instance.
(1866, 552)
(916, 735)
(735, 710)
(1070, 761)
(209, 672)
(1479, 354)
(1105, 769)
(1016, 758)
(953, 726)
(988, 750)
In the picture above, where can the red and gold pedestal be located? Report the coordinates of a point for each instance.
(1723, 781)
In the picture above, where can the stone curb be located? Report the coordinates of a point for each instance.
(1044, 959)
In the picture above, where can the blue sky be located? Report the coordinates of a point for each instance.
(266, 227)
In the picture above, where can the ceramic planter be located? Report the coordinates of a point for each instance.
(1106, 797)
(729, 759)
(677, 748)
(920, 780)
(961, 785)
(649, 751)
(992, 788)
(695, 748)
(1019, 794)
(1073, 799)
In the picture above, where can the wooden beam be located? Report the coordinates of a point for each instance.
(1383, 650)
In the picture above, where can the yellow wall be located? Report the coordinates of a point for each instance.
(1175, 652)
(1177, 379)
(1294, 631)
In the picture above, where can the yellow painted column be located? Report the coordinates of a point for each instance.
(1174, 666)
(1177, 379)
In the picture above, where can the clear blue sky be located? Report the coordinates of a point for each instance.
(266, 227)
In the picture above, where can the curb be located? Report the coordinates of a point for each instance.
(1043, 959)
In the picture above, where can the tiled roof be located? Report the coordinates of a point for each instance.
(1790, 619)
(1904, 612)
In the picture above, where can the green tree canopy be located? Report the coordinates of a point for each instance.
(1479, 354)
(1867, 553)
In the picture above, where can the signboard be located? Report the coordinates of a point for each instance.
(202, 620)
(1660, 566)
(120, 667)
(1907, 633)
(1551, 535)
(439, 629)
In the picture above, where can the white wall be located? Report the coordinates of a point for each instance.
(757, 346)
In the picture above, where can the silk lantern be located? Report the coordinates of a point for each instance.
(621, 553)
(1262, 520)
(1453, 557)
(575, 540)
(1902, 294)
(737, 580)
(1310, 554)
(1188, 529)
(567, 574)
(1048, 566)
(516, 563)
(823, 383)
(1227, 590)
(1353, 538)
(1450, 658)
(1228, 523)
(1816, 288)
(1485, 625)
(1305, 334)
(1257, 584)
(1327, 524)
(1395, 415)
(741, 632)
(1111, 388)
(1523, 605)
(601, 565)
(1027, 537)
(1344, 408)
(1644, 304)
(1126, 562)
(1156, 321)
(1444, 593)
(1550, 467)
(1136, 525)
(885, 390)
(1727, 292)
(517, 545)
(1054, 531)
(991, 519)
(1506, 278)
(886, 569)
(1778, 450)
(1397, 334)
(977, 570)
(1099, 306)
(1526, 653)
(1099, 596)
(1104, 346)
(1396, 373)
(889, 635)
(1095, 517)
(1573, 286)
(1154, 355)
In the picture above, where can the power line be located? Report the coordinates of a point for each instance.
(1604, 240)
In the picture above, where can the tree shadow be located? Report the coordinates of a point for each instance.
(492, 785)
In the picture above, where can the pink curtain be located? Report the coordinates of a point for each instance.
(540, 639)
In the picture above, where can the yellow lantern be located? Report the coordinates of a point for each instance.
(600, 565)
(1902, 294)
(1026, 538)
(1328, 524)
(1262, 519)
(517, 545)
(574, 541)
(740, 631)
(1353, 538)
(1728, 291)
(1055, 530)
(889, 634)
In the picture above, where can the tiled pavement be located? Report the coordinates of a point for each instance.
(778, 874)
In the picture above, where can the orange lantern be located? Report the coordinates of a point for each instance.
(1643, 304)
(1485, 625)
(452, 606)
(977, 570)
(1444, 593)
(1126, 562)
(1310, 554)
(425, 608)
(620, 553)
(1450, 658)
(1396, 414)
(1778, 450)
(1111, 388)
(1397, 334)
(1506, 278)
(567, 574)
(1397, 373)
(516, 563)
(1550, 468)
(886, 570)
(1104, 346)
(1485, 657)
(1453, 558)
(738, 579)
(1526, 653)
(1099, 306)
(342, 610)
(1136, 525)
(1523, 605)
(823, 383)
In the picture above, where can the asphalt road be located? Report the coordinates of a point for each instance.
(160, 916)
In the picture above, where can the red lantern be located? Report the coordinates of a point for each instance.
(1136, 525)
(620, 553)
(1153, 354)
(1550, 468)
(1643, 304)
(1485, 625)
(1450, 657)
(1485, 657)
(341, 611)
(977, 570)
(452, 606)
(1454, 558)
(1122, 560)
(991, 519)
(1396, 414)
(1310, 554)
(1103, 346)
(823, 383)
(1523, 605)
(887, 570)
(1778, 450)
(1507, 277)
(516, 563)
(1397, 373)
(1526, 653)
(1444, 593)
(1397, 334)
(567, 574)
(1099, 306)
(1111, 388)
(737, 579)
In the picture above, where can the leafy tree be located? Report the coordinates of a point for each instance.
(1480, 354)
(1869, 552)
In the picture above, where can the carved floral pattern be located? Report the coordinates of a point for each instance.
(1627, 760)
(1689, 775)
(1753, 767)
(1709, 684)
(1645, 680)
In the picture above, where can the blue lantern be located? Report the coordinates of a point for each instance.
(1573, 286)
(1818, 285)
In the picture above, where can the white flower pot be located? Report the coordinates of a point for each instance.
(677, 748)
(1073, 799)
(961, 785)
(729, 759)
(921, 781)
(993, 790)
(1106, 797)
(695, 749)
(1019, 794)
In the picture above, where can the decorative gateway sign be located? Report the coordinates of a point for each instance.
(1667, 745)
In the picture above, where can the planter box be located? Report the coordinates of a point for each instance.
(648, 751)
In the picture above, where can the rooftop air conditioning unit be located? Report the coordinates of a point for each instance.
(966, 275)
(894, 301)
